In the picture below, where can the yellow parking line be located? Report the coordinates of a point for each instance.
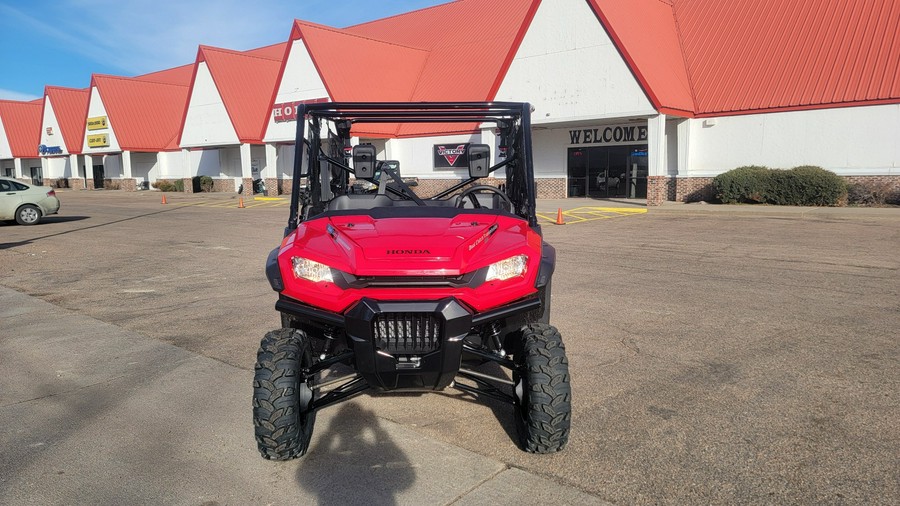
(582, 214)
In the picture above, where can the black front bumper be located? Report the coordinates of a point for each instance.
(415, 345)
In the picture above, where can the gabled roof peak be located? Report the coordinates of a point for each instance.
(300, 22)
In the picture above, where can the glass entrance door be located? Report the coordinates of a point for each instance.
(37, 176)
(607, 172)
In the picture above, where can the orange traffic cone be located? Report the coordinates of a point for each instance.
(559, 217)
(241, 203)
(164, 198)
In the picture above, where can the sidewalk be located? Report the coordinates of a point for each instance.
(91, 413)
(551, 205)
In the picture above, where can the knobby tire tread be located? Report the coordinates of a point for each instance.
(545, 419)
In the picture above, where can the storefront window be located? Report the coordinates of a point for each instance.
(608, 172)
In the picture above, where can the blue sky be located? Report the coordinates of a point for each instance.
(62, 42)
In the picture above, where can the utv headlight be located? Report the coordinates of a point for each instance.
(312, 271)
(506, 269)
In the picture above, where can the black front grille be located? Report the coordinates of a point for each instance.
(407, 333)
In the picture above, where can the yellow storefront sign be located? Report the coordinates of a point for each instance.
(97, 123)
(98, 141)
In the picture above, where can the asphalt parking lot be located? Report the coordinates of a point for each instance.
(718, 355)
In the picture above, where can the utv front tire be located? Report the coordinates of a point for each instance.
(542, 389)
(281, 395)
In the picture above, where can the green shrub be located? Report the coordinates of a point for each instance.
(748, 184)
(202, 184)
(806, 186)
(801, 186)
(179, 185)
(164, 185)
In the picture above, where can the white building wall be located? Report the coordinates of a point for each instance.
(285, 163)
(848, 141)
(8, 168)
(112, 166)
(96, 108)
(52, 168)
(416, 155)
(229, 163)
(207, 122)
(144, 167)
(206, 162)
(55, 136)
(300, 81)
(5, 149)
(568, 68)
(258, 160)
(28, 164)
(170, 165)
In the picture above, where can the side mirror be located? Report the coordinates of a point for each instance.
(479, 160)
(364, 161)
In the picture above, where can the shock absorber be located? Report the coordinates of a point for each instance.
(492, 332)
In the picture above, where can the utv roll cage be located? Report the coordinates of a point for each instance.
(328, 173)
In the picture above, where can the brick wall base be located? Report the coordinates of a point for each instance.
(76, 183)
(659, 190)
(693, 189)
(188, 184)
(224, 185)
(248, 186)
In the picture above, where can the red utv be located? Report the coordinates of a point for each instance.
(411, 292)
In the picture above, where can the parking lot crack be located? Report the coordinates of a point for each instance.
(64, 392)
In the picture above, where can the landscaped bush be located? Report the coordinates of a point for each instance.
(111, 184)
(801, 186)
(748, 184)
(164, 185)
(806, 186)
(206, 184)
(179, 185)
(872, 194)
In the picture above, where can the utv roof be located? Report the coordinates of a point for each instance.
(422, 112)
(512, 119)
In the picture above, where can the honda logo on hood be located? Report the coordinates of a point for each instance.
(408, 252)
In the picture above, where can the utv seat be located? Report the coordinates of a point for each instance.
(346, 202)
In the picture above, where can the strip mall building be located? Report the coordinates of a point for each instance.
(639, 99)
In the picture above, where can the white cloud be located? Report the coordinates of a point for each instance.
(15, 95)
(142, 36)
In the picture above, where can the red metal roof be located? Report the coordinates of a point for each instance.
(471, 44)
(275, 51)
(179, 75)
(245, 81)
(70, 106)
(760, 56)
(145, 115)
(457, 51)
(22, 122)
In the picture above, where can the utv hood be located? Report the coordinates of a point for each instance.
(413, 246)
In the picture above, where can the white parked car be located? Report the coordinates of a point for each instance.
(25, 203)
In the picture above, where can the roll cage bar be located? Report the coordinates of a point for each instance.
(328, 174)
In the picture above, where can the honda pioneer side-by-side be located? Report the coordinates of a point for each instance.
(383, 287)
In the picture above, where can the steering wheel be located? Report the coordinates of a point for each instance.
(471, 191)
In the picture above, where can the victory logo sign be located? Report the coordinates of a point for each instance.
(451, 154)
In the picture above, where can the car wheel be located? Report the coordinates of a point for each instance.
(282, 395)
(28, 215)
(542, 390)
